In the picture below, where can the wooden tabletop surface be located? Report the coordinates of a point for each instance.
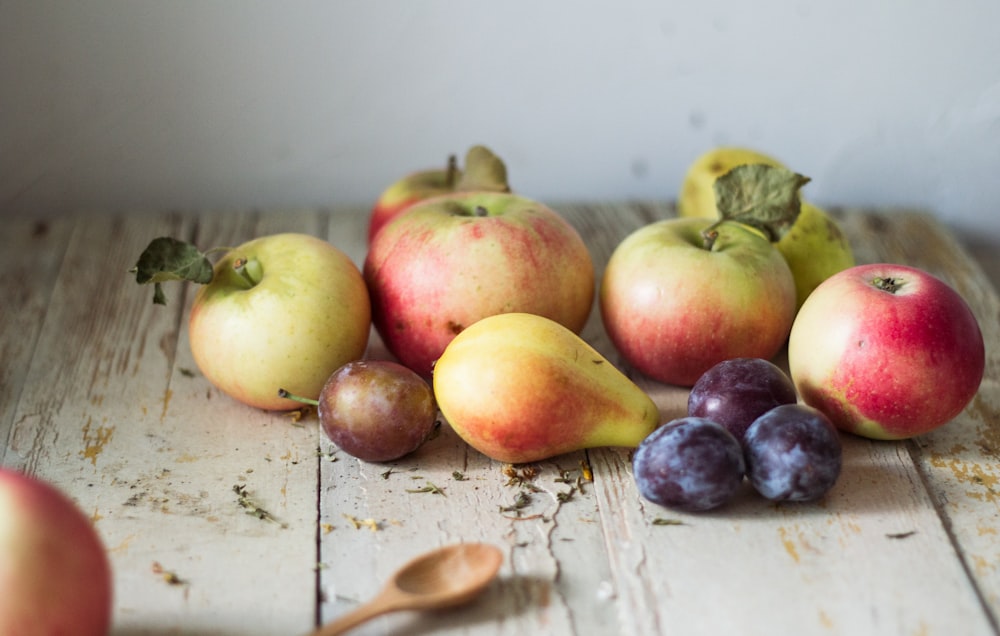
(222, 519)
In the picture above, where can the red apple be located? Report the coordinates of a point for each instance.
(453, 260)
(55, 577)
(298, 311)
(886, 351)
(484, 171)
(676, 304)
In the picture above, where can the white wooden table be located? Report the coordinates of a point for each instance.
(99, 394)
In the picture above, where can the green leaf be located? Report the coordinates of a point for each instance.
(166, 259)
(765, 197)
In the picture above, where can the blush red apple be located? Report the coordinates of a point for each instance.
(886, 351)
(55, 577)
(675, 306)
(453, 260)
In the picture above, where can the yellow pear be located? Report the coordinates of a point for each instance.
(697, 195)
(815, 249)
(520, 388)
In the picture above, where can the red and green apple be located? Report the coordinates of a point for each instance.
(679, 296)
(886, 351)
(453, 260)
(55, 577)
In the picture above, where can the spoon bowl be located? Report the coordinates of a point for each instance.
(446, 577)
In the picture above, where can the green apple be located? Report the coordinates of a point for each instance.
(281, 311)
(676, 302)
(453, 260)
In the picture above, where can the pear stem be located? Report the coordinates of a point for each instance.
(298, 398)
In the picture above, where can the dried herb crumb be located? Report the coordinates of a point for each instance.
(371, 524)
(519, 476)
(297, 415)
(169, 576)
(900, 535)
(251, 508)
(521, 501)
(428, 488)
(565, 496)
(457, 476)
(660, 521)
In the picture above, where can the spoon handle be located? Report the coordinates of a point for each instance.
(376, 607)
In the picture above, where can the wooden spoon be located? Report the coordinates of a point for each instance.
(445, 577)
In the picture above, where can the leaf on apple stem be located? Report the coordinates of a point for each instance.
(762, 196)
(484, 171)
(166, 259)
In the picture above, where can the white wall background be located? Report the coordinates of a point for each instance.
(142, 105)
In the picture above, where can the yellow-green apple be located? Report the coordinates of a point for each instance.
(55, 577)
(284, 310)
(483, 171)
(676, 303)
(520, 388)
(453, 260)
(814, 246)
(697, 195)
(886, 351)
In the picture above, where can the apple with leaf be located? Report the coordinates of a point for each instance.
(680, 295)
(279, 311)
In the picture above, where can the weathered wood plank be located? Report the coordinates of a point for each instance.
(114, 412)
(960, 462)
(31, 251)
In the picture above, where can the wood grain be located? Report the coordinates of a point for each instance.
(100, 395)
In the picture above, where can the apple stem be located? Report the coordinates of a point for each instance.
(709, 235)
(451, 175)
(291, 396)
(248, 269)
(482, 211)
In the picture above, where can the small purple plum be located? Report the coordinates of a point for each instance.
(375, 410)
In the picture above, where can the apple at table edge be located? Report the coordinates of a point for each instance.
(55, 576)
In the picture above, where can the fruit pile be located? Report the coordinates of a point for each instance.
(743, 419)
(480, 293)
